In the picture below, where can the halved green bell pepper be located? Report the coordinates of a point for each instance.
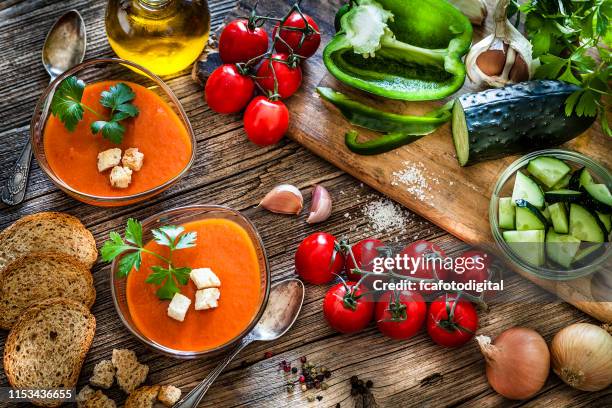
(401, 49)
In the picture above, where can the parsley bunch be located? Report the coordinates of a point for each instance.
(131, 247)
(572, 39)
(68, 107)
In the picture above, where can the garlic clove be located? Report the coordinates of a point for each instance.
(283, 199)
(321, 206)
(501, 58)
(475, 10)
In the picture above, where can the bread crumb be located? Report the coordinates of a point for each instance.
(108, 159)
(129, 372)
(169, 395)
(143, 397)
(133, 159)
(103, 375)
(88, 398)
(120, 177)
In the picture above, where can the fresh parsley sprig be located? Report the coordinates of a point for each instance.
(572, 39)
(68, 107)
(131, 248)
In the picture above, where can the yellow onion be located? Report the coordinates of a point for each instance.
(582, 356)
(518, 362)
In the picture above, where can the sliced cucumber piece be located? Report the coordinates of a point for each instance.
(580, 178)
(585, 225)
(528, 217)
(546, 214)
(558, 217)
(606, 220)
(506, 213)
(527, 245)
(563, 183)
(586, 253)
(561, 249)
(564, 196)
(599, 197)
(527, 189)
(548, 170)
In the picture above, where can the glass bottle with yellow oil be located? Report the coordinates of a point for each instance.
(165, 36)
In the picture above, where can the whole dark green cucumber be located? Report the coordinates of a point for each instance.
(515, 119)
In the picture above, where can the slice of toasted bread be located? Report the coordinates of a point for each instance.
(39, 276)
(48, 231)
(47, 345)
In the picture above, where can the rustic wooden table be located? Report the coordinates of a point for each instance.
(229, 171)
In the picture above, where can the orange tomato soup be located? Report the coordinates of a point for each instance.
(157, 132)
(226, 248)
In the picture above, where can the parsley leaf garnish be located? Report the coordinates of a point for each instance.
(68, 107)
(131, 247)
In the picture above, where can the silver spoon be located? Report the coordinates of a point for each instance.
(283, 307)
(63, 49)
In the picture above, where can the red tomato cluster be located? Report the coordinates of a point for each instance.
(243, 47)
(350, 306)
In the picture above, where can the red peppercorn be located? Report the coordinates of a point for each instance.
(302, 378)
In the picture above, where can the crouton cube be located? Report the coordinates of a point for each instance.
(129, 372)
(178, 307)
(108, 159)
(133, 158)
(143, 397)
(169, 395)
(204, 278)
(89, 398)
(207, 298)
(120, 177)
(103, 375)
(86, 393)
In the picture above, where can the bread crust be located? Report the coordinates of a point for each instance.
(89, 254)
(23, 323)
(14, 268)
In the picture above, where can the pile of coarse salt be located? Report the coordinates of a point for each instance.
(384, 215)
(413, 177)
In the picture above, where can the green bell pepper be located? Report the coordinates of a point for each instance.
(401, 49)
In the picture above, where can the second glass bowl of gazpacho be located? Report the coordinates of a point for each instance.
(227, 244)
(109, 132)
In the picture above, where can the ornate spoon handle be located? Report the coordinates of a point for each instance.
(14, 189)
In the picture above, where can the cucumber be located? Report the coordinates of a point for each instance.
(528, 217)
(515, 119)
(563, 183)
(558, 217)
(564, 196)
(561, 249)
(548, 170)
(606, 220)
(506, 213)
(580, 178)
(598, 197)
(527, 245)
(585, 225)
(546, 214)
(527, 189)
(586, 253)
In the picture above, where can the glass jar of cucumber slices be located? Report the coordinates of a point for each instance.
(550, 214)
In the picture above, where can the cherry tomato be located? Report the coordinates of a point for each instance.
(400, 314)
(476, 264)
(420, 251)
(239, 42)
(451, 323)
(317, 259)
(289, 77)
(266, 121)
(347, 309)
(293, 38)
(364, 253)
(227, 90)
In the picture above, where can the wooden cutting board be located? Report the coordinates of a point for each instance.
(435, 186)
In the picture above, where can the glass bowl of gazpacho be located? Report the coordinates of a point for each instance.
(109, 132)
(228, 245)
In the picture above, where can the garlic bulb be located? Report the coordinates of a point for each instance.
(501, 58)
(475, 10)
(283, 199)
(582, 356)
(321, 206)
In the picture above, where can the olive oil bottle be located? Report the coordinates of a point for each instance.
(165, 36)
